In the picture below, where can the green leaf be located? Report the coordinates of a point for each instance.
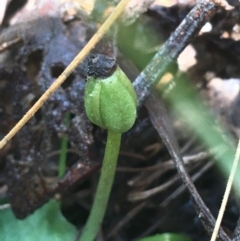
(45, 224)
(167, 237)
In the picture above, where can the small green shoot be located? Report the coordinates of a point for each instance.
(63, 150)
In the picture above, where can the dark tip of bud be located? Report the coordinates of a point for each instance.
(101, 66)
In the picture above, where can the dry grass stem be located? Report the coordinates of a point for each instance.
(226, 194)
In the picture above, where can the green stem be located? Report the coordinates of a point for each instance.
(63, 151)
(62, 158)
(104, 187)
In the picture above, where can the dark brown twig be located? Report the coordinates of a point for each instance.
(160, 121)
(181, 37)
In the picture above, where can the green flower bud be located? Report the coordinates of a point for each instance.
(111, 102)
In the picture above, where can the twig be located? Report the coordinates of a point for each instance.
(5, 45)
(179, 190)
(77, 60)
(168, 200)
(161, 122)
(189, 27)
(136, 196)
(167, 164)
